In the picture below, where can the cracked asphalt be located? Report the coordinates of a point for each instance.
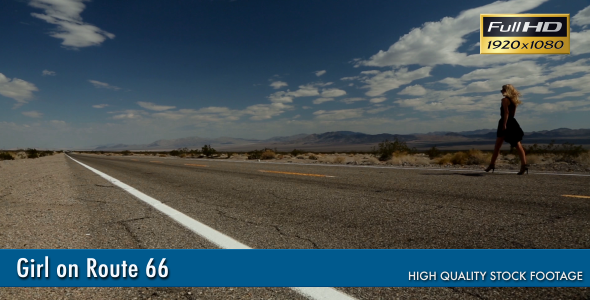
(374, 208)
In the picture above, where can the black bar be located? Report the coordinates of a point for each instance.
(518, 23)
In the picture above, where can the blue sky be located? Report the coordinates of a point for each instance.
(77, 73)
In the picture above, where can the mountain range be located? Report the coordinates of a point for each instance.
(349, 140)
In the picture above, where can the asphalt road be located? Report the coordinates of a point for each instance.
(266, 205)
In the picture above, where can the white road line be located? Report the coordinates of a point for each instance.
(212, 235)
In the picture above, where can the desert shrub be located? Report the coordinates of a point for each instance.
(280, 156)
(584, 159)
(296, 152)
(229, 154)
(45, 153)
(387, 148)
(445, 159)
(476, 157)
(566, 151)
(126, 153)
(408, 159)
(268, 154)
(256, 154)
(312, 157)
(21, 155)
(208, 151)
(6, 156)
(433, 152)
(533, 159)
(162, 155)
(339, 159)
(459, 158)
(174, 153)
(32, 153)
(373, 161)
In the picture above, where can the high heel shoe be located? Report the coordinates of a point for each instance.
(523, 168)
(491, 167)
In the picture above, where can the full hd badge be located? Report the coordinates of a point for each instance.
(524, 34)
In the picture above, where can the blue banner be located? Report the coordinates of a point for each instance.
(295, 268)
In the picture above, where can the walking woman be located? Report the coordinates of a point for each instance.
(508, 129)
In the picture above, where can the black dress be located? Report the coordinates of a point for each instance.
(513, 133)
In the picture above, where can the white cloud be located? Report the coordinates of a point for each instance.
(152, 106)
(128, 114)
(570, 68)
(580, 42)
(17, 89)
(280, 97)
(385, 81)
(322, 100)
(32, 114)
(58, 122)
(320, 73)
(452, 82)
(536, 90)
(65, 14)
(333, 93)
(580, 105)
(308, 90)
(520, 74)
(581, 85)
(414, 90)
(378, 109)
(352, 100)
(454, 103)
(278, 84)
(100, 105)
(266, 111)
(103, 85)
(341, 114)
(437, 42)
(378, 100)
(582, 17)
(169, 115)
(48, 73)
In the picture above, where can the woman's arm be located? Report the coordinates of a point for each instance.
(505, 104)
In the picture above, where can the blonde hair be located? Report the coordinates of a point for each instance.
(511, 93)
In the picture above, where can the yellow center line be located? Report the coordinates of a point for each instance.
(193, 165)
(576, 196)
(158, 162)
(291, 173)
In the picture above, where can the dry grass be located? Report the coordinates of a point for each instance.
(268, 154)
(373, 161)
(534, 159)
(472, 157)
(400, 159)
(339, 159)
(312, 157)
(584, 159)
(280, 156)
(163, 155)
(20, 155)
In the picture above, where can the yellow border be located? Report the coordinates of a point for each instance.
(481, 29)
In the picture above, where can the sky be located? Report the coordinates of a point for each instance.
(81, 73)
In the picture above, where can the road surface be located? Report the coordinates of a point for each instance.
(288, 206)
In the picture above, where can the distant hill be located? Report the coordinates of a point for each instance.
(336, 140)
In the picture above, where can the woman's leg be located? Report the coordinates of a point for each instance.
(499, 142)
(521, 153)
